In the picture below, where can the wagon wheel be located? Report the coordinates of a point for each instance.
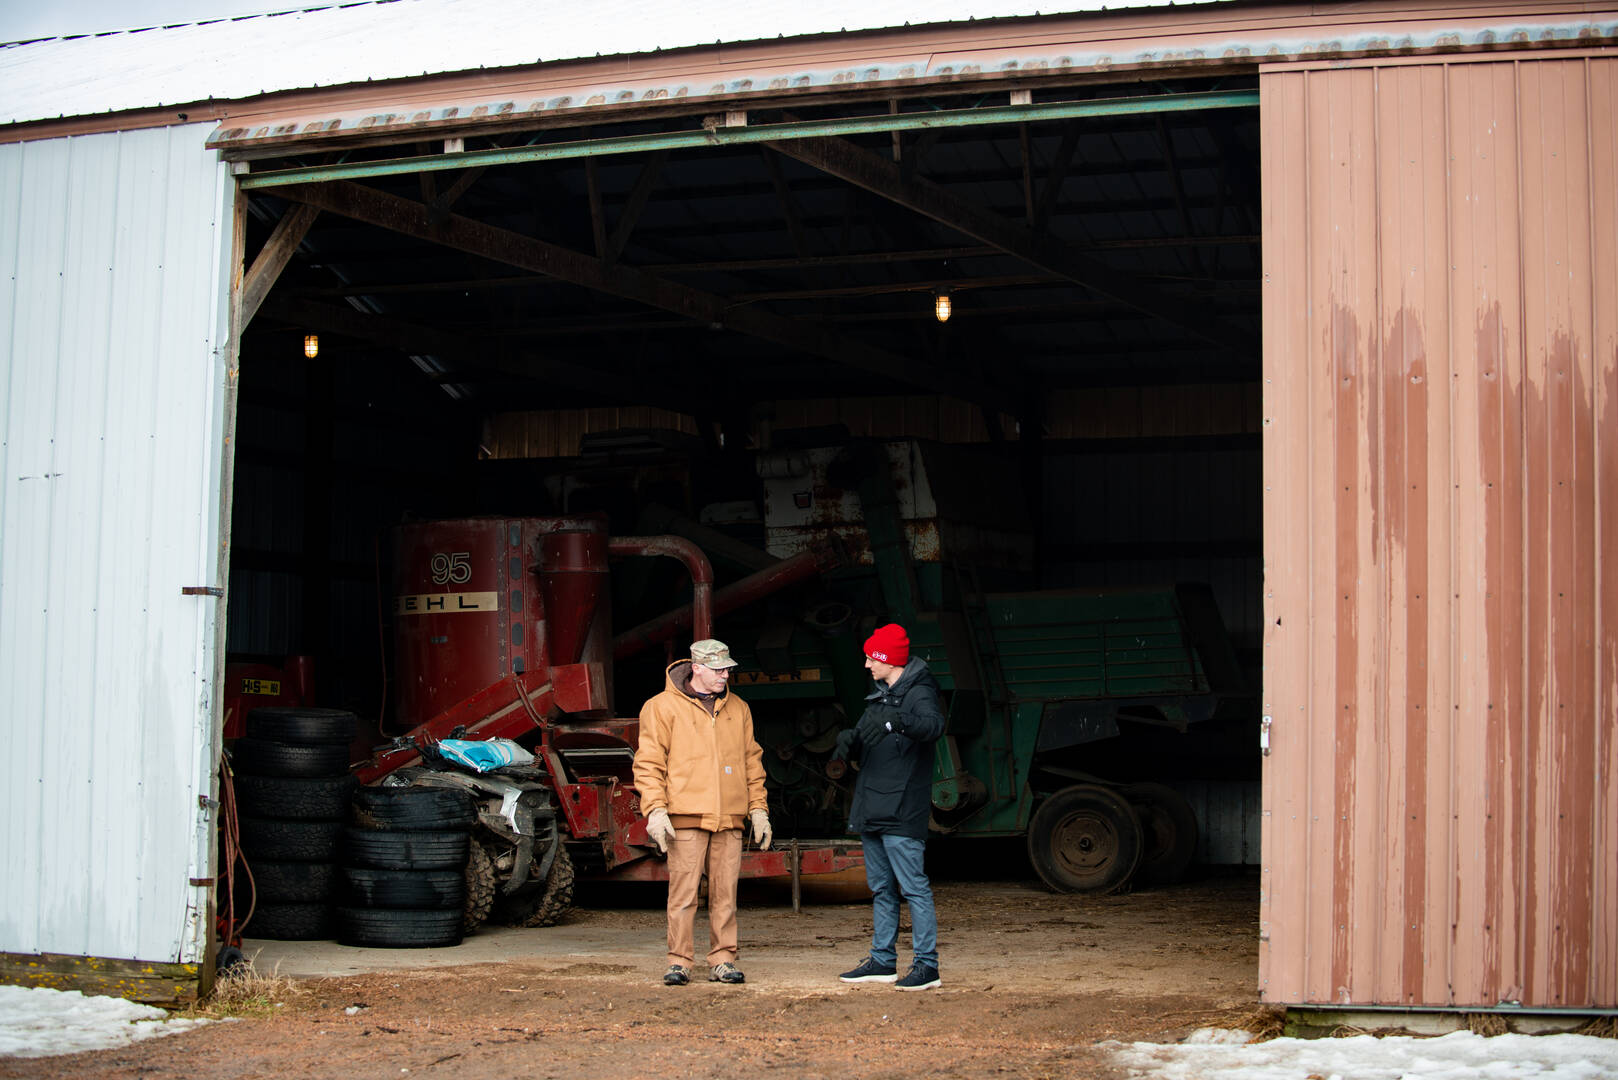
(1170, 827)
(1085, 838)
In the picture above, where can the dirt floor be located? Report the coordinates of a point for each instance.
(1032, 981)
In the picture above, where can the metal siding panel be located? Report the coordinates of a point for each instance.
(1288, 515)
(1414, 331)
(1604, 295)
(24, 528)
(1347, 295)
(1559, 400)
(1463, 858)
(122, 294)
(1486, 447)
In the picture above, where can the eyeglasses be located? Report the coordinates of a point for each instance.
(715, 670)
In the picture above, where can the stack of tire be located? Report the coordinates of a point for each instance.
(292, 793)
(404, 879)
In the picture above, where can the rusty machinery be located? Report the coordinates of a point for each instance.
(502, 630)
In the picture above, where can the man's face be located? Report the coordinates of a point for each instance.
(707, 680)
(883, 673)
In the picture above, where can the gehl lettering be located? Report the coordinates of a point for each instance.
(446, 603)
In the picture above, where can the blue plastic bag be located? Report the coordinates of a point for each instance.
(485, 755)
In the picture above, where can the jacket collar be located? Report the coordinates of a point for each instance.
(678, 679)
(914, 668)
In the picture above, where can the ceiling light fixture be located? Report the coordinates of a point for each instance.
(311, 345)
(941, 306)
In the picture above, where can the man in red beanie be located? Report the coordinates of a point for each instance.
(892, 805)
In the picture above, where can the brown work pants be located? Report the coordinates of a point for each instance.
(720, 854)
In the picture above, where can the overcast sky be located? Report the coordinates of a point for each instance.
(20, 20)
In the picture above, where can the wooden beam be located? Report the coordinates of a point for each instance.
(166, 985)
(501, 245)
(789, 205)
(633, 208)
(598, 220)
(1052, 187)
(841, 158)
(284, 240)
(413, 339)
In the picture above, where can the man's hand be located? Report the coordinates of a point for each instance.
(660, 829)
(761, 828)
(870, 729)
(844, 749)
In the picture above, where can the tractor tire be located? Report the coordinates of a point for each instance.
(290, 922)
(261, 757)
(1085, 838)
(479, 886)
(292, 882)
(545, 905)
(290, 841)
(321, 798)
(301, 726)
(413, 809)
(1170, 828)
(382, 849)
(398, 928)
(430, 890)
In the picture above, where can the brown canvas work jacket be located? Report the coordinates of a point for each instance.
(705, 769)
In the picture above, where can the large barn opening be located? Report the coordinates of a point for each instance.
(743, 344)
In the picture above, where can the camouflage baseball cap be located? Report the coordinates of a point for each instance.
(711, 653)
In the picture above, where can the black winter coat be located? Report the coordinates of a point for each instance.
(894, 791)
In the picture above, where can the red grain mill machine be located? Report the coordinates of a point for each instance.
(502, 630)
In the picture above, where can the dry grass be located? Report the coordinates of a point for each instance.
(1265, 1022)
(1486, 1024)
(1602, 1027)
(244, 991)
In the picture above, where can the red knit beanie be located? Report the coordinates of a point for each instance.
(890, 644)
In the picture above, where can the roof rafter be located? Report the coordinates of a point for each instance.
(864, 169)
(411, 218)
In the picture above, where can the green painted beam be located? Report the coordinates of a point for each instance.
(738, 136)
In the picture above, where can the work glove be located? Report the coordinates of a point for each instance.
(660, 829)
(844, 749)
(870, 728)
(761, 828)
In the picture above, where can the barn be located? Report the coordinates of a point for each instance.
(1316, 304)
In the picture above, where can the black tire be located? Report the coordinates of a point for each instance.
(1169, 827)
(269, 839)
(479, 887)
(293, 882)
(390, 850)
(229, 959)
(296, 725)
(291, 922)
(543, 905)
(1085, 838)
(413, 809)
(261, 757)
(320, 798)
(433, 890)
(398, 929)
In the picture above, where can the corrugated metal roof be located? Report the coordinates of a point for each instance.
(395, 39)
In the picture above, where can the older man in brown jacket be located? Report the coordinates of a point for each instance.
(700, 774)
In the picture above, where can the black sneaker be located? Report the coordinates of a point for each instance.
(676, 976)
(871, 971)
(726, 973)
(920, 977)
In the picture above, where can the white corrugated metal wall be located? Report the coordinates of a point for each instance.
(114, 341)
